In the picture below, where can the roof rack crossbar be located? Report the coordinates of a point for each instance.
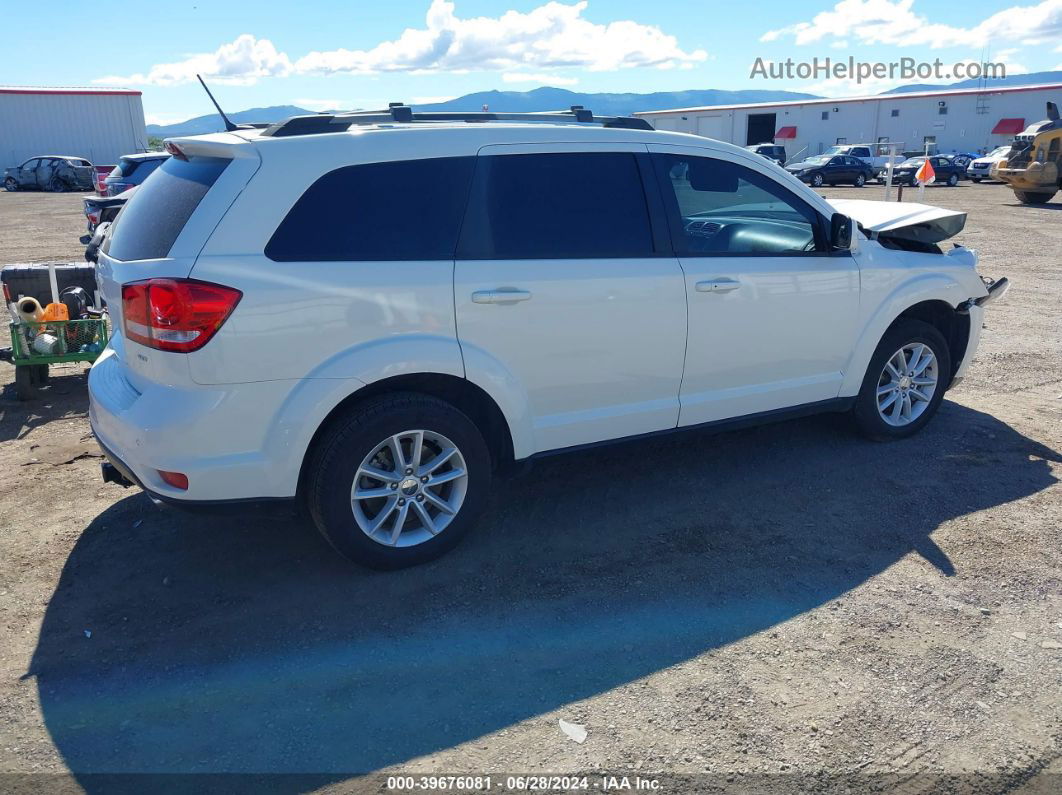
(401, 113)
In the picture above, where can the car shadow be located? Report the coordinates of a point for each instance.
(243, 644)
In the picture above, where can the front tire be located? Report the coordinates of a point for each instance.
(10, 184)
(904, 383)
(398, 480)
(1034, 197)
(977, 179)
(816, 181)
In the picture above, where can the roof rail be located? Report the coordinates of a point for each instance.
(402, 113)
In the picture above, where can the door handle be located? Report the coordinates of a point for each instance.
(717, 286)
(500, 296)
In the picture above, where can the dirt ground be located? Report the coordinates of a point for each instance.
(788, 608)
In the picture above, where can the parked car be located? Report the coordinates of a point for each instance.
(99, 175)
(770, 151)
(104, 208)
(50, 172)
(946, 172)
(132, 170)
(874, 155)
(831, 170)
(379, 320)
(981, 168)
(962, 159)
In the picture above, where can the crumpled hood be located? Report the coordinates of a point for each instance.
(906, 220)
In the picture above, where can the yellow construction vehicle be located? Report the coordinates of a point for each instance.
(1033, 167)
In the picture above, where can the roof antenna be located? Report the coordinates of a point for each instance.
(229, 126)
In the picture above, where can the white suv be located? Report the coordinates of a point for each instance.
(375, 312)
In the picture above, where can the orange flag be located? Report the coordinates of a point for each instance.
(925, 174)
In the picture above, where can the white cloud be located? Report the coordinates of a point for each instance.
(895, 22)
(164, 118)
(544, 78)
(239, 62)
(321, 104)
(553, 35)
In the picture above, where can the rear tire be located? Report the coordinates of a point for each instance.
(860, 181)
(953, 180)
(57, 186)
(976, 179)
(1034, 197)
(362, 527)
(926, 354)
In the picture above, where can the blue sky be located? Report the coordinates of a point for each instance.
(328, 54)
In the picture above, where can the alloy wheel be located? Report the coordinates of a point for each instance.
(409, 488)
(907, 384)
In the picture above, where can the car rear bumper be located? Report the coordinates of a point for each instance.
(216, 436)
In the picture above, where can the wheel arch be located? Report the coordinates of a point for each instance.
(933, 300)
(459, 392)
(949, 321)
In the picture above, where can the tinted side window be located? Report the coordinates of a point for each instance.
(557, 206)
(718, 207)
(155, 216)
(403, 210)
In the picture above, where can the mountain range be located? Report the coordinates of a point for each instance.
(604, 104)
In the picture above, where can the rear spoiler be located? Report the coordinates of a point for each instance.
(224, 145)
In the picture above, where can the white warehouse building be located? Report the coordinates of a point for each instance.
(962, 120)
(98, 124)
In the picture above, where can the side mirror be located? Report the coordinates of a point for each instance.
(840, 232)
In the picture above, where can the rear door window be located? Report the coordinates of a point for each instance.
(154, 217)
(402, 210)
(563, 205)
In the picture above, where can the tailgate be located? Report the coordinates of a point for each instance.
(160, 232)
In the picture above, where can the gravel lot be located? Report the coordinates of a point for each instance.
(780, 609)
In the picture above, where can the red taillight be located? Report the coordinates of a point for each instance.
(176, 479)
(179, 315)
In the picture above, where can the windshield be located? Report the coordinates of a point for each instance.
(913, 161)
(818, 160)
(999, 151)
(836, 150)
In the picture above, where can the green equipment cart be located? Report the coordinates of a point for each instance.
(35, 346)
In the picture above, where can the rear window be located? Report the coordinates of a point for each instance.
(402, 210)
(125, 168)
(154, 217)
